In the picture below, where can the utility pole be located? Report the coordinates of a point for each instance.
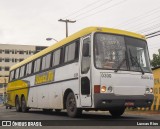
(66, 21)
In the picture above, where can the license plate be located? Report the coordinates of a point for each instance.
(129, 104)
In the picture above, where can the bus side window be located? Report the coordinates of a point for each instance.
(48, 61)
(28, 68)
(43, 62)
(86, 56)
(22, 71)
(17, 73)
(70, 52)
(56, 56)
(77, 50)
(12, 76)
(37, 65)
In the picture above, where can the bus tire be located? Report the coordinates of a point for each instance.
(17, 104)
(71, 106)
(57, 110)
(24, 105)
(117, 112)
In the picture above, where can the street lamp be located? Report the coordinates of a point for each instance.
(49, 39)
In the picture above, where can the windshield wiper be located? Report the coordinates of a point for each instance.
(136, 61)
(122, 62)
(119, 66)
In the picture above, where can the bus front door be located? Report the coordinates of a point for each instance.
(85, 85)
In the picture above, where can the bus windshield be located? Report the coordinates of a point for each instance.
(116, 52)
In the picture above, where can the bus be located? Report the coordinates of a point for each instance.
(96, 68)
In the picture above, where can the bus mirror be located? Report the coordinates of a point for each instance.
(86, 50)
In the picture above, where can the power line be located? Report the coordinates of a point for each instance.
(150, 28)
(152, 33)
(75, 12)
(92, 9)
(153, 36)
(138, 17)
(101, 10)
(144, 24)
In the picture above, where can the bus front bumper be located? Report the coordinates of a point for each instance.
(107, 101)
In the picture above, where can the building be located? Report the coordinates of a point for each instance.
(11, 54)
(156, 102)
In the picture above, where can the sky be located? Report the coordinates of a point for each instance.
(30, 22)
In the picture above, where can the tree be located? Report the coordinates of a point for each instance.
(156, 59)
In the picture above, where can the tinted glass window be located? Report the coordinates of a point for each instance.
(70, 52)
(37, 65)
(29, 68)
(11, 75)
(17, 74)
(46, 60)
(56, 57)
(22, 71)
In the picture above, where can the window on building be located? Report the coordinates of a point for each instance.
(6, 68)
(56, 57)
(21, 52)
(37, 64)
(7, 51)
(16, 60)
(1, 50)
(6, 59)
(12, 59)
(21, 60)
(22, 70)
(0, 59)
(30, 52)
(0, 68)
(12, 51)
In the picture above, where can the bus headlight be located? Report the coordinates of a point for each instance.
(103, 89)
(110, 89)
(151, 90)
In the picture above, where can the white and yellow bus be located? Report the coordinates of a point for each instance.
(94, 69)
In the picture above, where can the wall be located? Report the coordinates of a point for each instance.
(156, 103)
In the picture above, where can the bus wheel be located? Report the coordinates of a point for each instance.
(57, 110)
(117, 112)
(24, 106)
(71, 106)
(18, 108)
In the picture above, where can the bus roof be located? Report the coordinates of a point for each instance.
(74, 36)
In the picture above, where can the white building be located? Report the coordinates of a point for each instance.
(11, 54)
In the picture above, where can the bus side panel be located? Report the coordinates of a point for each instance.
(50, 95)
(16, 88)
(66, 77)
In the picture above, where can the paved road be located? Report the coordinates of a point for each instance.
(37, 114)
